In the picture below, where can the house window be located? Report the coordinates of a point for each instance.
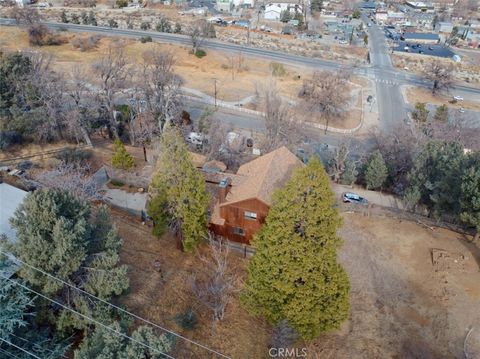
(238, 231)
(250, 215)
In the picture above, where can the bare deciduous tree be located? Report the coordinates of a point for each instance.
(216, 285)
(111, 72)
(198, 31)
(326, 93)
(398, 148)
(25, 15)
(280, 124)
(441, 76)
(161, 87)
(340, 156)
(81, 112)
(220, 147)
(71, 178)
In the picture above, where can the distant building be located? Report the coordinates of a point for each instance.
(420, 37)
(381, 16)
(444, 27)
(368, 5)
(420, 6)
(22, 3)
(274, 10)
(243, 3)
(224, 5)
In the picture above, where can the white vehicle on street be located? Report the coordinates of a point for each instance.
(458, 98)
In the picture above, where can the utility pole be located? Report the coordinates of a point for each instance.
(215, 90)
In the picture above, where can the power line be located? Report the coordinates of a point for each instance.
(20, 348)
(29, 341)
(9, 354)
(116, 307)
(86, 317)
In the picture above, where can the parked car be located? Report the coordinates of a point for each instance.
(430, 48)
(461, 110)
(458, 98)
(195, 138)
(349, 197)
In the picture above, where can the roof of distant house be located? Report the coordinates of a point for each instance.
(263, 176)
(420, 36)
(10, 198)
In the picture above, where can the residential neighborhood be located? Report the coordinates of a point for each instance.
(239, 179)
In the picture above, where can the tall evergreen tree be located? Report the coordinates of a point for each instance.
(376, 171)
(56, 234)
(470, 194)
(18, 326)
(436, 176)
(178, 192)
(103, 343)
(121, 158)
(294, 274)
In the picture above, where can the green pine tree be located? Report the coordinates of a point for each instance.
(376, 171)
(420, 114)
(178, 192)
(470, 197)
(56, 234)
(103, 343)
(294, 274)
(121, 158)
(441, 113)
(18, 326)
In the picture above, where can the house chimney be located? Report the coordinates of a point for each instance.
(223, 189)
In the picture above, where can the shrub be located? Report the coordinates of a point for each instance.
(116, 183)
(40, 35)
(112, 23)
(163, 25)
(9, 138)
(37, 34)
(200, 53)
(121, 158)
(85, 43)
(187, 319)
(178, 28)
(277, 69)
(145, 39)
(122, 3)
(145, 26)
(74, 155)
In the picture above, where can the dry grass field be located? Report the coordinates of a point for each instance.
(414, 293)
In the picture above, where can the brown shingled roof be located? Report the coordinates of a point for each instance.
(263, 176)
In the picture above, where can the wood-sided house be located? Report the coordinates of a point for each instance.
(243, 202)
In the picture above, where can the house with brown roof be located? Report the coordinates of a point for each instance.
(245, 198)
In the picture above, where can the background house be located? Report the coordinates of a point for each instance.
(10, 199)
(273, 10)
(245, 198)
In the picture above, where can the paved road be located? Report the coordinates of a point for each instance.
(391, 105)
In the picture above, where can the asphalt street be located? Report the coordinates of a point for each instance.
(389, 98)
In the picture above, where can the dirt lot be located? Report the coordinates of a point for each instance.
(197, 73)
(467, 70)
(417, 94)
(402, 304)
